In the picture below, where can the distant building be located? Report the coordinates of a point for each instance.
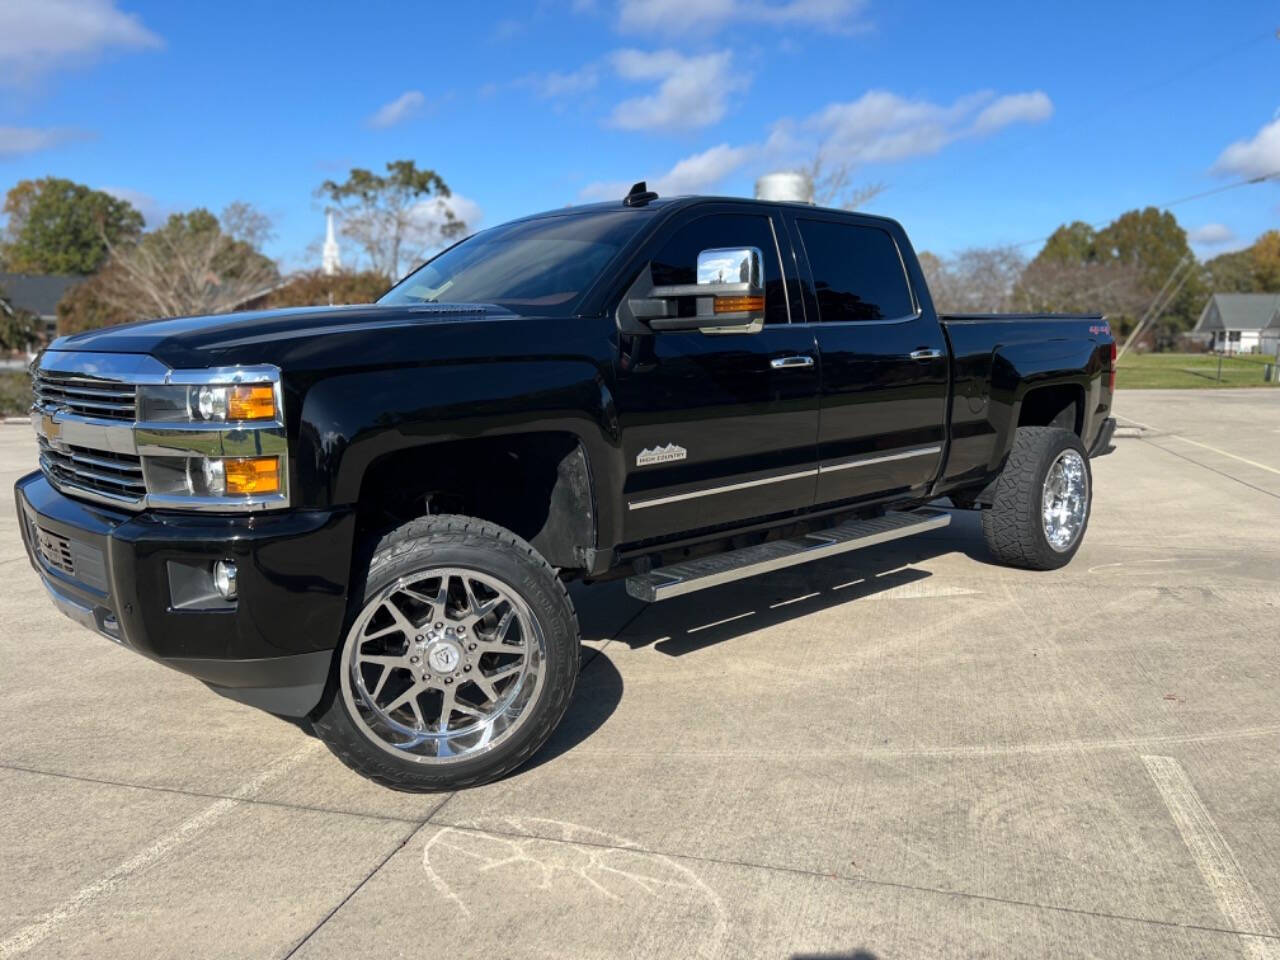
(1241, 322)
(37, 294)
(330, 256)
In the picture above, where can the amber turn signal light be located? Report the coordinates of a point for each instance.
(738, 304)
(252, 475)
(251, 402)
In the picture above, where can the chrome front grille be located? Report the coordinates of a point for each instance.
(85, 396)
(93, 445)
(114, 475)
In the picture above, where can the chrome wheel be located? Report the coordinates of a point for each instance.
(1065, 500)
(442, 665)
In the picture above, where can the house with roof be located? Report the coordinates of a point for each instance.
(37, 294)
(1241, 322)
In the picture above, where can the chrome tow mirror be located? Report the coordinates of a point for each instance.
(728, 297)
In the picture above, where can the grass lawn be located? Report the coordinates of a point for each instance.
(1140, 371)
(15, 393)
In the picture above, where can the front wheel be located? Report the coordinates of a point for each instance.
(1042, 499)
(460, 662)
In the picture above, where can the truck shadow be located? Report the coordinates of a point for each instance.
(697, 621)
(700, 620)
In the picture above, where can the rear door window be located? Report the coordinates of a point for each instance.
(857, 272)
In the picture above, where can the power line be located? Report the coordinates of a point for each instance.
(1173, 203)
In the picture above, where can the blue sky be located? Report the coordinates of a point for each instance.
(988, 123)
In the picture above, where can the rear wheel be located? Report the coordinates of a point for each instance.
(1041, 503)
(460, 662)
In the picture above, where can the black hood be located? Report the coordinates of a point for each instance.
(252, 331)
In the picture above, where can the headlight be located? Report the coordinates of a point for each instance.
(210, 403)
(214, 440)
(209, 478)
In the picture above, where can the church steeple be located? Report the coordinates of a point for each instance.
(330, 256)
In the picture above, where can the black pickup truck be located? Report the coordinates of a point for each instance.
(365, 517)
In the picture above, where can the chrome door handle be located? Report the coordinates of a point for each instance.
(785, 363)
(926, 353)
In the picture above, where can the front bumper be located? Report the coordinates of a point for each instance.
(271, 647)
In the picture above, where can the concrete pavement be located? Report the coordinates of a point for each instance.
(906, 752)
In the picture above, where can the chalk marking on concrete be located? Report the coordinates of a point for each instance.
(1236, 897)
(549, 852)
(31, 935)
(1131, 563)
(1197, 443)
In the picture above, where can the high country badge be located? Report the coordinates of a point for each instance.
(670, 452)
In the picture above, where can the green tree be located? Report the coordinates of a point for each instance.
(57, 226)
(1149, 239)
(1232, 273)
(395, 218)
(1135, 255)
(1266, 261)
(1153, 243)
(18, 328)
(1255, 269)
(1070, 243)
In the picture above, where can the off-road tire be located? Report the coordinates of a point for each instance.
(462, 542)
(1013, 526)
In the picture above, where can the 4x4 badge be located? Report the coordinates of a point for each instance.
(647, 457)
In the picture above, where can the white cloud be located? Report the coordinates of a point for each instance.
(1253, 158)
(681, 16)
(881, 127)
(1034, 107)
(694, 174)
(693, 91)
(152, 211)
(429, 215)
(555, 84)
(398, 110)
(878, 127)
(1211, 235)
(704, 170)
(18, 141)
(37, 36)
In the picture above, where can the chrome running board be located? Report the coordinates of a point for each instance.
(715, 569)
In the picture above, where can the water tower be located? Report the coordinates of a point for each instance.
(788, 186)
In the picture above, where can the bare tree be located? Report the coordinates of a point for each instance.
(833, 186)
(394, 218)
(247, 224)
(977, 280)
(191, 265)
(1072, 286)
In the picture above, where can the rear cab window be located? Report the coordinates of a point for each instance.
(858, 275)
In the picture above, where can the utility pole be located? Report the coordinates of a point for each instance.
(1161, 302)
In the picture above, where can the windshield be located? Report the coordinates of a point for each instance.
(543, 266)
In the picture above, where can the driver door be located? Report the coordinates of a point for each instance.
(718, 428)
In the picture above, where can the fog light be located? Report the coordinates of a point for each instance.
(224, 579)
